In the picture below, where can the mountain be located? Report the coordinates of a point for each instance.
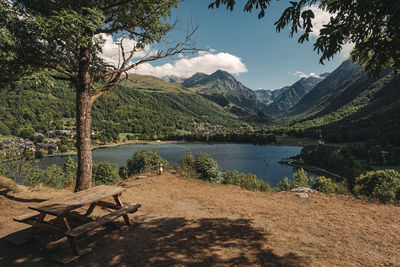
(142, 104)
(290, 96)
(173, 79)
(222, 88)
(326, 88)
(269, 96)
(349, 106)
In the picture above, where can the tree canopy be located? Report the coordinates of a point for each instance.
(65, 38)
(373, 26)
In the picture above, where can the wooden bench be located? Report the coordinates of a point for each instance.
(83, 229)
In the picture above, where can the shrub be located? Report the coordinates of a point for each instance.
(186, 166)
(207, 168)
(123, 172)
(326, 185)
(145, 161)
(54, 176)
(202, 166)
(69, 169)
(247, 181)
(383, 185)
(105, 172)
(300, 179)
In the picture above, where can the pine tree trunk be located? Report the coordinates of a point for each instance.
(83, 122)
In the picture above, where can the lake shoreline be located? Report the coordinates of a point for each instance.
(144, 142)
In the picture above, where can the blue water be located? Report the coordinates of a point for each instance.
(259, 160)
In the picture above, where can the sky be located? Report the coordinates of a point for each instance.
(241, 44)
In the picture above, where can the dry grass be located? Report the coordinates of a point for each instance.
(8, 185)
(188, 222)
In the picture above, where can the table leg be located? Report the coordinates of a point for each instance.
(66, 224)
(119, 203)
(74, 245)
(40, 217)
(90, 209)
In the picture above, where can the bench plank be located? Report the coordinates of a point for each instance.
(67, 203)
(80, 230)
(27, 216)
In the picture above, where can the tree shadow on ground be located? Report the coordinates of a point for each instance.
(169, 242)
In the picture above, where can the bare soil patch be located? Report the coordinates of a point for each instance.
(184, 222)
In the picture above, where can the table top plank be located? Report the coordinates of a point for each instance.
(67, 203)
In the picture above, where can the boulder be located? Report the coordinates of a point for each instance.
(304, 190)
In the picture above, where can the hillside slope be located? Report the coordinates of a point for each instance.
(185, 222)
(143, 104)
(350, 107)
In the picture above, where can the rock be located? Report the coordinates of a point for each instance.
(302, 195)
(304, 190)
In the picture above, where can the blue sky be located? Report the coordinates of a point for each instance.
(243, 45)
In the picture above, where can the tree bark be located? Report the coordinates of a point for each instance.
(83, 122)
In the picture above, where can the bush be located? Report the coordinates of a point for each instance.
(383, 185)
(54, 176)
(300, 179)
(326, 185)
(186, 166)
(69, 168)
(145, 161)
(247, 181)
(207, 168)
(202, 166)
(105, 172)
(123, 172)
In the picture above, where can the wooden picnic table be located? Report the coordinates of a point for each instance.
(61, 207)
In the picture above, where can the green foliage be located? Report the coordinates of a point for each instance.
(26, 132)
(53, 176)
(123, 172)
(207, 168)
(326, 185)
(69, 169)
(375, 33)
(4, 130)
(247, 181)
(202, 166)
(186, 166)
(300, 179)
(383, 185)
(105, 172)
(145, 161)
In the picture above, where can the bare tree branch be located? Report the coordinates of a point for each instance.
(184, 47)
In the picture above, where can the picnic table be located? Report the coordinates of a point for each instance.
(62, 207)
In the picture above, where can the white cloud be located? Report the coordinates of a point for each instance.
(321, 18)
(205, 62)
(112, 53)
(304, 75)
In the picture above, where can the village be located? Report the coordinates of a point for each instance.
(50, 143)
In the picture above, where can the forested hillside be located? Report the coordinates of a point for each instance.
(348, 106)
(143, 105)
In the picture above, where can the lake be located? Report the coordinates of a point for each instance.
(257, 159)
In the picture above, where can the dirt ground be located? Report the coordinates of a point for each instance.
(184, 222)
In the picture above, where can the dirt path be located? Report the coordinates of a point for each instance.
(192, 223)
